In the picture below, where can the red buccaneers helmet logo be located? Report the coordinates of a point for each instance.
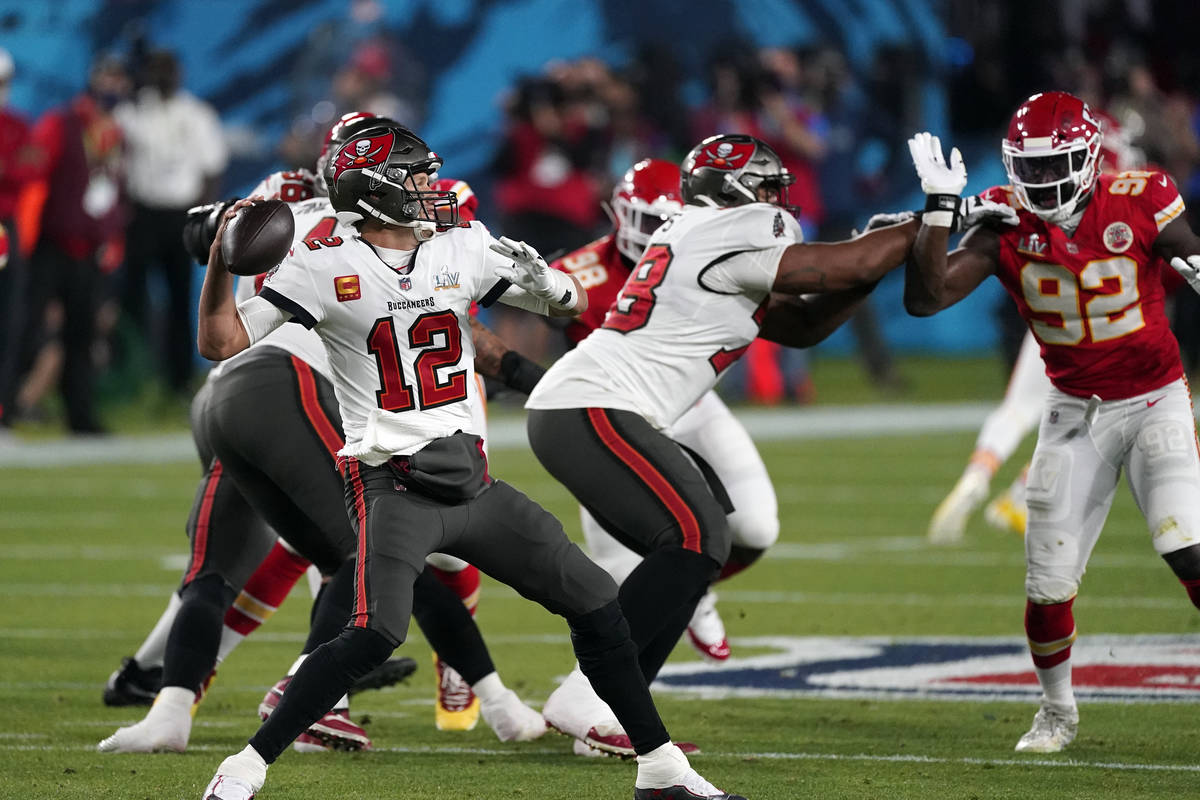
(725, 155)
(361, 153)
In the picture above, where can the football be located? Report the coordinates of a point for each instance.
(258, 238)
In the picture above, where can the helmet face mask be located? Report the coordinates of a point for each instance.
(733, 170)
(1052, 155)
(374, 176)
(643, 200)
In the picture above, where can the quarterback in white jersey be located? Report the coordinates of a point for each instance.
(728, 268)
(391, 305)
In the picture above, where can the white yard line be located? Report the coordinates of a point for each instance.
(898, 758)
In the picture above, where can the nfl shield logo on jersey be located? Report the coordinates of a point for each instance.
(405, 283)
(1118, 237)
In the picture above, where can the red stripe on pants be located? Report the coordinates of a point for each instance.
(653, 479)
(359, 618)
(200, 543)
(330, 436)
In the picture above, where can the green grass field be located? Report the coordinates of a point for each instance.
(91, 553)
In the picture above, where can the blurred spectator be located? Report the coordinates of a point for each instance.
(176, 156)
(77, 207)
(18, 163)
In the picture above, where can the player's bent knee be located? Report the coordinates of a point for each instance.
(1047, 589)
(211, 590)
(360, 650)
(753, 530)
(598, 631)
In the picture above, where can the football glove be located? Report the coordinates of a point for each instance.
(1189, 268)
(942, 184)
(884, 220)
(531, 272)
(975, 209)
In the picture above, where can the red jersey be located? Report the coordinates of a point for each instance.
(1095, 300)
(601, 271)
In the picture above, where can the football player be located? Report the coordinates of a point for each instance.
(1020, 411)
(1082, 265)
(728, 268)
(645, 198)
(293, 494)
(391, 305)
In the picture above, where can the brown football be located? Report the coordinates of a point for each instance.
(258, 238)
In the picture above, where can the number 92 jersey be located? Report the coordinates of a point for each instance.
(1095, 300)
(396, 329)
(689, 309)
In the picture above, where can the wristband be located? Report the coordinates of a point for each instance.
(565, 296)
(519, 373)
(940, 210)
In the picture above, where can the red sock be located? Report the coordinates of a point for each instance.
(1193, 590)
(1051, 632)
(465, 584)
(266, 589)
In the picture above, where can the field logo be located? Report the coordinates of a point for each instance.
(1133, 669)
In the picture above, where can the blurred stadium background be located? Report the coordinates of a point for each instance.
(542, 104)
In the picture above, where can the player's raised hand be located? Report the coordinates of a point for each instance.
(529, 270)
(975, 209)
(1189, 269)
(936, 176)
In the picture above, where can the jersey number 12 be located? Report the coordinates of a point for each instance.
(394, 393)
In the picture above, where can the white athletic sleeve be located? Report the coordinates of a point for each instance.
(260, 317)
(290, 287)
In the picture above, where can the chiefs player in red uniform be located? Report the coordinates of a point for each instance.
(1082, 263)
(644, 198)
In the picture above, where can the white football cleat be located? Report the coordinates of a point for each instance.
(576, 710)
(239, 777)
(665, 774)
(1054, 727)
(950, 518)
(166, 726)
(512, 720)
(706, 631)
(149, 736)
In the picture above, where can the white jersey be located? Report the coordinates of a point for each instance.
(397, 331)
(688, 310)
(314, 218)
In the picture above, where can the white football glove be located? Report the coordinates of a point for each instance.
(883, 220)
(531, 272)
(974, 209)
(936, 177)
(1189, 269)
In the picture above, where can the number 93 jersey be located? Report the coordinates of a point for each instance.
(396, 328)
(1095, 300)
(689, 309)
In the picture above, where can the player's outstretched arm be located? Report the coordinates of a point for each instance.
(935, 279)
(1180, 247)
(494, 359)
(221, 333)
(835, 266)
(805, 321)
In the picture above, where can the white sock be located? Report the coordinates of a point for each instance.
(152, 651)
(1056, 684)
(173, 702)
(315, 579)
(230, 639)
(662, 766)
(488, 687)
(343, 704)
(296, 664)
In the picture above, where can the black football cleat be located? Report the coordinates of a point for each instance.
(389, 673)
(132, 686)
